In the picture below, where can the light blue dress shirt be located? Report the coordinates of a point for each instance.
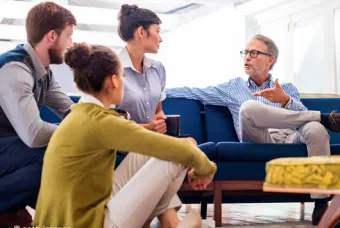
(142, 91)
(234, 93)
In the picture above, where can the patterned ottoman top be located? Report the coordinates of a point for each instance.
(313, 172)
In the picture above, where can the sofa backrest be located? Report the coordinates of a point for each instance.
(220, 127)
(324, 105)
(48, 115)
(191, 121)
(190, 111)
(216, 125)
(219, 124)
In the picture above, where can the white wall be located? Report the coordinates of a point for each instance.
(201, 53)
(337, 46)
(306, 33)
(7, 45)
(206, 51)
(64, 76)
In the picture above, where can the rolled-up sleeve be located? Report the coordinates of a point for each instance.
(162, 75)
(18, 103)
(294, 103)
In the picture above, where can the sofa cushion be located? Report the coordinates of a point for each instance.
(119, 158)
(191, 120)
(324, 105)
(49, 116)
(219, 124)
(242, 170)
(209, 148)
(233, 151)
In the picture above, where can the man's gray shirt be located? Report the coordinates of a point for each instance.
(19, 104)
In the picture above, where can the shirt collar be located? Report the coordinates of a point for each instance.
(125, 60)
(87, 98)
(39, 68)
(268, 83)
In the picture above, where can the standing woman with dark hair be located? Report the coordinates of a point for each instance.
(144, 89)
(78, 171)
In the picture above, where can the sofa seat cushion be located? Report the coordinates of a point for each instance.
(240, 170)
(313, 172)
(233, 151)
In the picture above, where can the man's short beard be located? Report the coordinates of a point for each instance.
(55, 55)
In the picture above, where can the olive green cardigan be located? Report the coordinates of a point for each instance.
(77, 176)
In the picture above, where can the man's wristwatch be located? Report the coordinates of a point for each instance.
(289, 104)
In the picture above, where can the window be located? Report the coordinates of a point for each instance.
(337, 46)
(278, 32)
(309, 56)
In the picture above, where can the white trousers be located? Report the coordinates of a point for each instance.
(143, 189)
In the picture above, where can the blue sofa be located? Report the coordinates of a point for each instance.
(241, 166)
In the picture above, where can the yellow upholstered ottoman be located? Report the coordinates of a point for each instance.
(319, 175)
(311, 173)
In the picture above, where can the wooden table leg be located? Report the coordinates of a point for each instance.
(204, 206)
(218, 204)
(332, 214)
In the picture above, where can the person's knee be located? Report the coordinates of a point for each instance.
(178, 168)
(315, 131)
(248, 108)
(175, 170)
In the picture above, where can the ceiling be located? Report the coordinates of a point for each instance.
(98, 19)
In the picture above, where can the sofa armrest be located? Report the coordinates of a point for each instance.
(209, 148)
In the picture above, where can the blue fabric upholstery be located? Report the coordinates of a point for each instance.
(209, 149)
(48, 115)
(219, 124)
(324, 105)
(191, 119)
(120, 157)
(234, 151)
(233, 170)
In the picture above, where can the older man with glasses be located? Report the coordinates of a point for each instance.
(287, 119)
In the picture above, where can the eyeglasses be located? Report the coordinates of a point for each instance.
(253, 53)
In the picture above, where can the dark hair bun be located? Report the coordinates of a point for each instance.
(126, 10)
(78, 56)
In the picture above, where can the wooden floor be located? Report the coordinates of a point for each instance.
(268, 215)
